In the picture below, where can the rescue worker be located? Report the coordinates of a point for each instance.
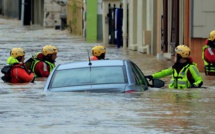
(44, 62)
(18, 72)
(208, 54)
(98, 53)
(185, 73)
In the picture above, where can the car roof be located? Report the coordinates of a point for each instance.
(95, 63)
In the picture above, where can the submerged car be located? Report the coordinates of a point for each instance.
(99, 76)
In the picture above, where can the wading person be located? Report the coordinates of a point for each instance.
(185, 73)
(15, 71)
(98, 53)
(44, 62)
(208, 54)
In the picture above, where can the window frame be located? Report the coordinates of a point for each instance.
(138, 74)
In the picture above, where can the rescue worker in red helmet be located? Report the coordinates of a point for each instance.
(44, 62)
(98, 53)
(185, 73)
(18, 72)
(208, 54)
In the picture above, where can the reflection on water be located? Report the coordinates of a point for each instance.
(26, 108)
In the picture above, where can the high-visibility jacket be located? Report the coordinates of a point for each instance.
(181, 80)
(42, 68)
(208, 56)
(12, 61)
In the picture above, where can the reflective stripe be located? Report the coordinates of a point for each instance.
(196, 71)
(51, 66)
(16, 75)
(44, 66)
(182, 82)
(179, 82)
(210, 51)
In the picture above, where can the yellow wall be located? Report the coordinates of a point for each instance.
(74, 16)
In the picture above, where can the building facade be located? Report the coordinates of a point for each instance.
(10, 8)
(34, 12)
(157, 26)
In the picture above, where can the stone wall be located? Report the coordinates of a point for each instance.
(52, 13)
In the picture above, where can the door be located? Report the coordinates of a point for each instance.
(26, 12)
(37, 12)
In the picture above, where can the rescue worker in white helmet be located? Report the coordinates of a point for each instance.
(15, 70)
(208, 54)
(44, 62)
(98, 53)
(185, 73)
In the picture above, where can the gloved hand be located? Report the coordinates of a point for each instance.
(197, 86)
(33, 80)
(150, 77)
(194, 86)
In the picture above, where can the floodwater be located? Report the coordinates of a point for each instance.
(26, 108)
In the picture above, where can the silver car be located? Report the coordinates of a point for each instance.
(99, 76)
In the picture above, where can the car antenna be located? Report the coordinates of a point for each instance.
(89, 58)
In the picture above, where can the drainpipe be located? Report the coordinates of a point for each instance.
(164, 27)
(125, 36)
(22, 11)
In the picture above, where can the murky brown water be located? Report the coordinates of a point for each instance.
(26, 108)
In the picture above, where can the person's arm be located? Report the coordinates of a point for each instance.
(163, 73)
(196, 76)
(203, 51)
(23, 75)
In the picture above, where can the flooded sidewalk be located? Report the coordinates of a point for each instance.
(26, 108)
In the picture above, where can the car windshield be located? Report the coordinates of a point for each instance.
(88, 76)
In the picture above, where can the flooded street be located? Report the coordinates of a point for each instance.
(26, 108)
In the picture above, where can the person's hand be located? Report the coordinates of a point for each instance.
(197, 86)
(29, 71)
(194, 86)
(33, 80)
(150, 77)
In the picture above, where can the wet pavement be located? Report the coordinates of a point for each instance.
(26, 108)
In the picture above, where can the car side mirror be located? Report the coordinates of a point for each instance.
(157, 83)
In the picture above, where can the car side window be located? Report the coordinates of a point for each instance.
(135, 76)
(139, 76)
